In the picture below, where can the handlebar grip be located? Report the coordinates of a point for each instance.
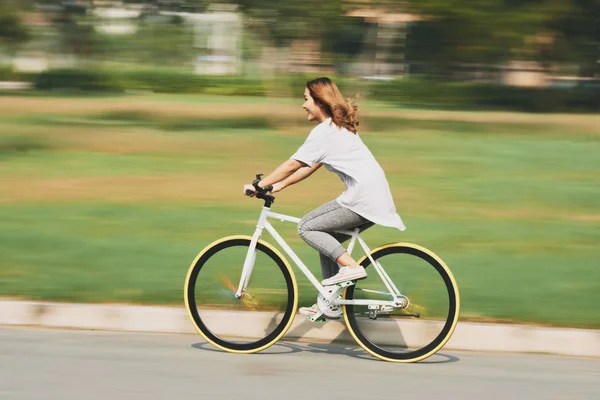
(266, 189)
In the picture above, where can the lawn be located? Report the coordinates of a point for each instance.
(109, 199)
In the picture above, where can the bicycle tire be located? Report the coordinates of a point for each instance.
(190, 299)
(451, 321)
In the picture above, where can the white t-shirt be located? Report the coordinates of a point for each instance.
(343, 152)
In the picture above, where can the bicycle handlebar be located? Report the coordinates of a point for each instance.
(262, 193)
(258, 188)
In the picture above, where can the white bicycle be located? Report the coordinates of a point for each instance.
(404, 311)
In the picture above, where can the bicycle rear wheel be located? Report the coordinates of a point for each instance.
(404, 334)
(253, 322)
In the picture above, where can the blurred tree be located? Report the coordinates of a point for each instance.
(455, 32)
(76, 30)
(345, 39)
(13, 32)
(324, 22)
(158, 40)
(575, 34)
(175, 5)
(284, 21)
(73, 26)
(162, 40)
(491, 32)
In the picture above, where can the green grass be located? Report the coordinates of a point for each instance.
(111, 204)
(131, 119)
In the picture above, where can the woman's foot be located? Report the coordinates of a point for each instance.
(309, 311)
(312, 310)
(353, 273)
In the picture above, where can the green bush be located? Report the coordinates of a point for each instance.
(422, 92)
(78, 79)
(234, 86)
(583, 99)
(177, 81)
(408, 92)
(8, 74)
(158, 80)
(163, 80)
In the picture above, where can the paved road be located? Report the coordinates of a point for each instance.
(58, 364)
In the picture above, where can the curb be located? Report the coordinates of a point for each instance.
(163, 319)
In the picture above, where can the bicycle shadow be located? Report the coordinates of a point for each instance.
(339, 345)
(358, 352)
(286, 347)
(301, 327)
(273, 350)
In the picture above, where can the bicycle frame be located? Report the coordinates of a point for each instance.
(330, 298)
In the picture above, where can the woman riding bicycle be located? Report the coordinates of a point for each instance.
(335, 143)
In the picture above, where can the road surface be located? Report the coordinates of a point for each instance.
(70, 364)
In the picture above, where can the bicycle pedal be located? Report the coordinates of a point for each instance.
(346, 284)
(320, 319)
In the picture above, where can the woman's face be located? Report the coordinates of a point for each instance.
(314, 112)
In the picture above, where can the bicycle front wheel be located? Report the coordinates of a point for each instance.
(424, 324)
(261, 316)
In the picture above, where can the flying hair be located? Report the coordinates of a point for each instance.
(343, 111)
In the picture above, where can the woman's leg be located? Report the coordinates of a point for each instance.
(330, 267)
(316, 229)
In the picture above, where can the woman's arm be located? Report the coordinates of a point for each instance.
(296, 177)
(283, 171)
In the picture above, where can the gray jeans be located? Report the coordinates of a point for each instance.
(316, 229)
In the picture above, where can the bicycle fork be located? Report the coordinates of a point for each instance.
(251, 255)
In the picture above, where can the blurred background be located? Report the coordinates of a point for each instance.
(491, 47)
(127, 129)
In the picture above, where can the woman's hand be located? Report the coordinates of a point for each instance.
(278, 187)
(249, 188)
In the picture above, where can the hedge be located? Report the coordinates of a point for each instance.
(486, 96)
(161, 81)
(407, 92)
(78, 79)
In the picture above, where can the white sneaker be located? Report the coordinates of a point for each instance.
(309, 311)
(314, 309)
(346, 274)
